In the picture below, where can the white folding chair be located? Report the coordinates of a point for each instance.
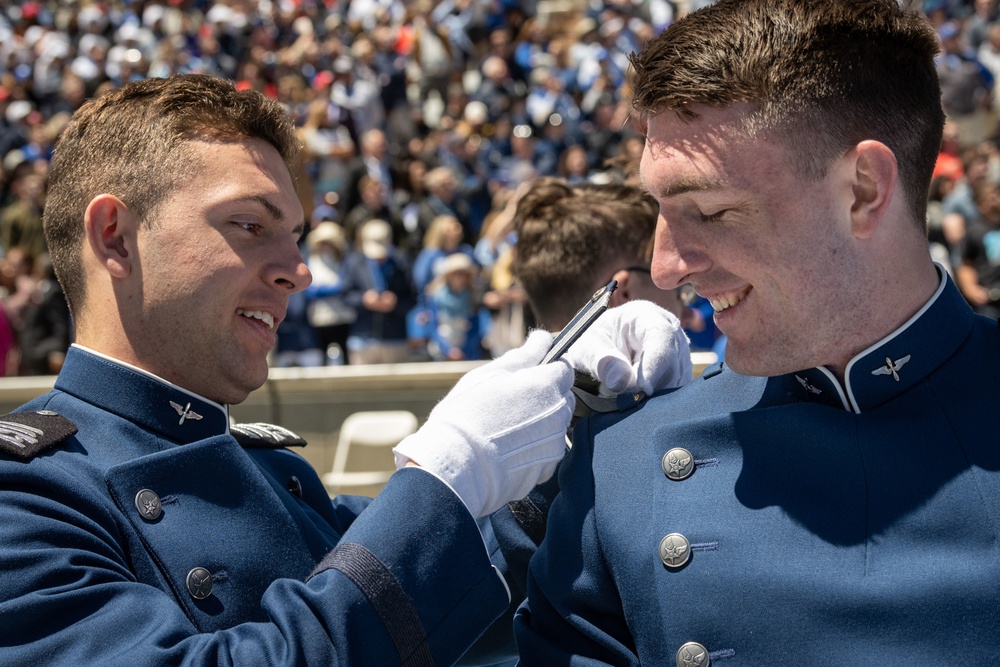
(382, 428)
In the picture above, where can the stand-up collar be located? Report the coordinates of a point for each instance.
(897, 362)
(140, 397)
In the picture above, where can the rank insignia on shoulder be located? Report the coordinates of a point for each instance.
(27, 434)
(265, 436)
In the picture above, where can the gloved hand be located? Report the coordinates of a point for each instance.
(636, 346)
(500, 431)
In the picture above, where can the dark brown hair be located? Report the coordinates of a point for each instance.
(132, 143)
(568, 237)
(822, 75)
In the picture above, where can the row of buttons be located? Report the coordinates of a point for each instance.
(675, 549)
(198, 580)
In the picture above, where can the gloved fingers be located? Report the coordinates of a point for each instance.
(662, 357)
(530, 353)
(525, 483)
(665, 365)
(637, 345)
(532, 379)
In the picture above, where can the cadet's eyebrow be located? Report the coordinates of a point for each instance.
(266, 203)
(687, 184)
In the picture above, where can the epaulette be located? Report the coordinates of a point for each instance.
(712, 370)
(587, 403)
(28, 434)
(265, 436)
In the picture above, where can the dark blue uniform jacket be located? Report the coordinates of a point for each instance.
(787, 520)
(151, 537)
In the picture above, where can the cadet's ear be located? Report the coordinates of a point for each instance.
(622, 293)
(876, 177)
(110, 230)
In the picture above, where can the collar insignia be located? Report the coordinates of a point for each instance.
(185, 412)
(808, 387)
(891, 367)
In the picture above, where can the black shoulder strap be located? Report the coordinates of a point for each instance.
(265, 436)
(28, 434)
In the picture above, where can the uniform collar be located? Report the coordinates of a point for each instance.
(140, 397)
(897, 362)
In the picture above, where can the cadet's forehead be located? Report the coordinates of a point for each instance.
(708, 153)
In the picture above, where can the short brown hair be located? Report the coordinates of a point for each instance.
(131, 143)
(569, 236)
(823, 75)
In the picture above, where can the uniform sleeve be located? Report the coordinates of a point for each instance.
(409, 582)
(573, 613)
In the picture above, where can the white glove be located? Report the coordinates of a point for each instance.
(635, 346)
(500, 431)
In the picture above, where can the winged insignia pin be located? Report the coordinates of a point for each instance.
(185, 412)
(808, 387)
(891, 367)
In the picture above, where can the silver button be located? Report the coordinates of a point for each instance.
(199, 583)
(295, 486)
(677, 464)
(692, 654)
(675, 550)
(148, 504)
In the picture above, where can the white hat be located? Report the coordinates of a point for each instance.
(455, 262)
(327, 232)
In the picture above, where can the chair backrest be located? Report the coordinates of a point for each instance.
(382, 428)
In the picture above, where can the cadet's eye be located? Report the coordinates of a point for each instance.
(252, 227)
(712, 217)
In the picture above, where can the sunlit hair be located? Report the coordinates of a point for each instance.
(819, 76)
(133, 143)
(571, 236)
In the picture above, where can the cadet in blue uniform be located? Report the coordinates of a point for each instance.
(832, 496)
(137, 527)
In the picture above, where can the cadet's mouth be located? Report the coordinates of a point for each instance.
(261, 315)
(721, 302)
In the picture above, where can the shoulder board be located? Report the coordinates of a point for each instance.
(712, 370)
(265, 436)
(27, 434)
(587, 403)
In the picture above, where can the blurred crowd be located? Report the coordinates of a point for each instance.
(419, 121)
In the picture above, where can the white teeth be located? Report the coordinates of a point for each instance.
(720, 303)
(264, 317)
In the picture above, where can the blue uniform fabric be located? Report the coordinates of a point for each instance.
(296, 578)
(828, 525)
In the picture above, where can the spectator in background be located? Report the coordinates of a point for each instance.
(573, 167)
(949, 161)
(441, 183)
(379, 287)
(21, 218)
(443, 238)
(372, 205)
(966, 85)
(326, 309)
(978, 274)
(44, 335)
(457, 317)
(372, 161)
(978, 24)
